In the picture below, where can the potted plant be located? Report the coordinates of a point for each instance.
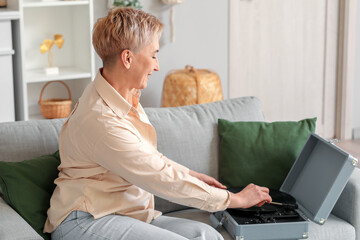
(125, 3)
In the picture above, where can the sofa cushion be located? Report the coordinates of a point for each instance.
(13, 226)
(27, 187)
(334, 228)
(28, 139)
(259, 152)
(189, 135)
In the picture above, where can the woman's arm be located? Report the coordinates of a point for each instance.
(251, 195)
(207, 179)
(121, 152)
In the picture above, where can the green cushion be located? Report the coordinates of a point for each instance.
(259, 152)
(27, 187)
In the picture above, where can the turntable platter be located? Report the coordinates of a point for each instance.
(267, 213)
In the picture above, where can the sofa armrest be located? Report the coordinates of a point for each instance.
(348, 204)
(13, 226)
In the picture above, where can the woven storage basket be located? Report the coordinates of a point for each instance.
(191, 86)
(55, 108)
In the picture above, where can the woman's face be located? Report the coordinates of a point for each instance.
(144, 63)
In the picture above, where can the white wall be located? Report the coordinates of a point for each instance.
(201, 40)
(356, 93)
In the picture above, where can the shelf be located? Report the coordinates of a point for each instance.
(66, 73)
(9, 14)
(6, 52)
(37, 4)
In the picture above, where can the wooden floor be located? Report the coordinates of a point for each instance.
(352, 147)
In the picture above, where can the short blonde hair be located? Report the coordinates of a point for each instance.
(124, 28)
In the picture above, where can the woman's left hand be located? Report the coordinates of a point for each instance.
(207, 179)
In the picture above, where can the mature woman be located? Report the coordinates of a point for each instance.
(110, 167)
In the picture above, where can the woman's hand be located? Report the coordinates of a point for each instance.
(207, 179)
(251, 195)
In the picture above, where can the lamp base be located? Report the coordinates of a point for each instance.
(51, 71)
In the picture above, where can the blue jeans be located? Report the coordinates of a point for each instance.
(82, 225)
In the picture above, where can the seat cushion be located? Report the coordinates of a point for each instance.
(334, 228)
(13, 226)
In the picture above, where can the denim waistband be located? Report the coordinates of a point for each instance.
(77, 214)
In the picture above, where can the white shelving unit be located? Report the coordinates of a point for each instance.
(66, 73)
(37, 4)
(7, 108)
(41, 20)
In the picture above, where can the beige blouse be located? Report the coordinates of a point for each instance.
(110, 163)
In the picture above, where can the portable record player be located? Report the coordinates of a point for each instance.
(309, 193)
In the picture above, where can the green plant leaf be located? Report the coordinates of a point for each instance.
(127, 3)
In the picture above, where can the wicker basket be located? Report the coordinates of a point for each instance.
(191, 86)
(55, 108)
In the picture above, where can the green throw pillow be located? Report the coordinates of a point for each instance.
(27, 187)
(259, 152)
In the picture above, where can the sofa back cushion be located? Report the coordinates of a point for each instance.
(29, 139)
(189, 135)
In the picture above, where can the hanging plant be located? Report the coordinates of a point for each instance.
(127, 3)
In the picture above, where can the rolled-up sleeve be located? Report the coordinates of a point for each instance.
(123, 153)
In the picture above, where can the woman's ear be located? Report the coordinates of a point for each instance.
(126, 58)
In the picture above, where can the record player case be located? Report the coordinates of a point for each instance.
(315, 180)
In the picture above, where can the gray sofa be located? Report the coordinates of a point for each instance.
(187, 135)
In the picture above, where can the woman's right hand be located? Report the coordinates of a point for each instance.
(251, 195)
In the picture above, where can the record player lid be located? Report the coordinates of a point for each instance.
(318, 177)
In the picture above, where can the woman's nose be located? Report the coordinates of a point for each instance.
(157, 67)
